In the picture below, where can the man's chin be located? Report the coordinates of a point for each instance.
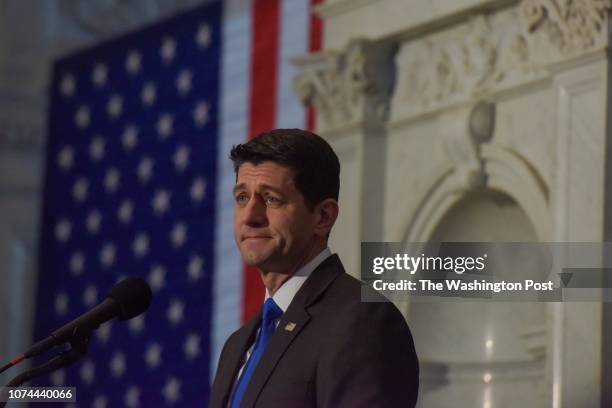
(254, 259)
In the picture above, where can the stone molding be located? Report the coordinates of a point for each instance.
(18, 135)
(492, 52)
(112, 17)
(335, 8)
(484, 54)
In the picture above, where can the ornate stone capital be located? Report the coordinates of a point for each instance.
(348, 87)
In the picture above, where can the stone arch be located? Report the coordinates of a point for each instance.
(441, 328)
(506, 172)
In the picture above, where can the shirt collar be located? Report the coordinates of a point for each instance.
(284, 295)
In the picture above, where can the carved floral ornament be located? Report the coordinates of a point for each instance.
(489, 52)
(577, 24)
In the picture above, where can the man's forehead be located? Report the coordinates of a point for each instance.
(265, 171)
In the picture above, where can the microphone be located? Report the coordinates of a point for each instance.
(128, 298)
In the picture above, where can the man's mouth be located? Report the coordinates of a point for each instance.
(255, 237)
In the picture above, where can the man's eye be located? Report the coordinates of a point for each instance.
(272, 201)
(241, 198)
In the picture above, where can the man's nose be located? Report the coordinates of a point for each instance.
(255, 212)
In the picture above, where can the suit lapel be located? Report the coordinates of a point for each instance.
(296, 316)
(234, 356)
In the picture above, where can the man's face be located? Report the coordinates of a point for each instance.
(273, 227)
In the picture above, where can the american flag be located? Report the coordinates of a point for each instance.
(138, 183)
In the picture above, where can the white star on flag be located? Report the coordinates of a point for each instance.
(62, 230)
(191, 347)
(161, 202)
(107, 255)
(79, 190)
(178, 235)
(203, 37)
(183, 82)
(148, 94)
(140, 246)
(65, 158)
(68, 85)
(164, 125)
(114, 106)
(103, 333)
(129, 138)
(175, 312)
(61, 304)
(181, 158)
(77, 263)
(136, 324)
(97, 148)
(168, 50)
(124, 213)
(200, 114)
(90, 296)
(99, 75)
(195, 268)
(132, 62)
(81, 117)
(145, 169)
(157, 277)
(58, 378)
(132, 397)
(198, 188)
(171, 390)
(117, 364)
(93, 221)
(111, 180)
(87, 372)
(153, 355)
(100, 402)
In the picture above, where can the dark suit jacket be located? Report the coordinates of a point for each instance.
(341, 353)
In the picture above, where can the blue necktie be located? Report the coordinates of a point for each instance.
(271, 312)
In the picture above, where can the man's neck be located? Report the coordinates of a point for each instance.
(274, 280)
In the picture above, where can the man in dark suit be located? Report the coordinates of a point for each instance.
(315, 343)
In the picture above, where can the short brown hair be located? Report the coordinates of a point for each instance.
(314, 163)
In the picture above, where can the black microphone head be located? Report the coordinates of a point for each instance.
(133, 296)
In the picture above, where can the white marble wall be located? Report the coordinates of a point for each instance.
(542, 67)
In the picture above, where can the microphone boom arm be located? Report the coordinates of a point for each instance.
(79, 345)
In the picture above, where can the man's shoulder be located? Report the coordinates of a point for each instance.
(355, 290)
(353, 297)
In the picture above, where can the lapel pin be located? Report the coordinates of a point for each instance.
(290, 326)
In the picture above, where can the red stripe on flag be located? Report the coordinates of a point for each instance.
(264, 65)
(315, 43)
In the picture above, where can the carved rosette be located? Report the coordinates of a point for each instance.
(349, 87)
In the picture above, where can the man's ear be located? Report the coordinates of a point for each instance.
(327, 213)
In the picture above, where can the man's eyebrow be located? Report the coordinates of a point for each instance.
(242, 186)
(272, 188)
(238, 187)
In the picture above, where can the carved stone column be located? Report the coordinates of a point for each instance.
(351, 91)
